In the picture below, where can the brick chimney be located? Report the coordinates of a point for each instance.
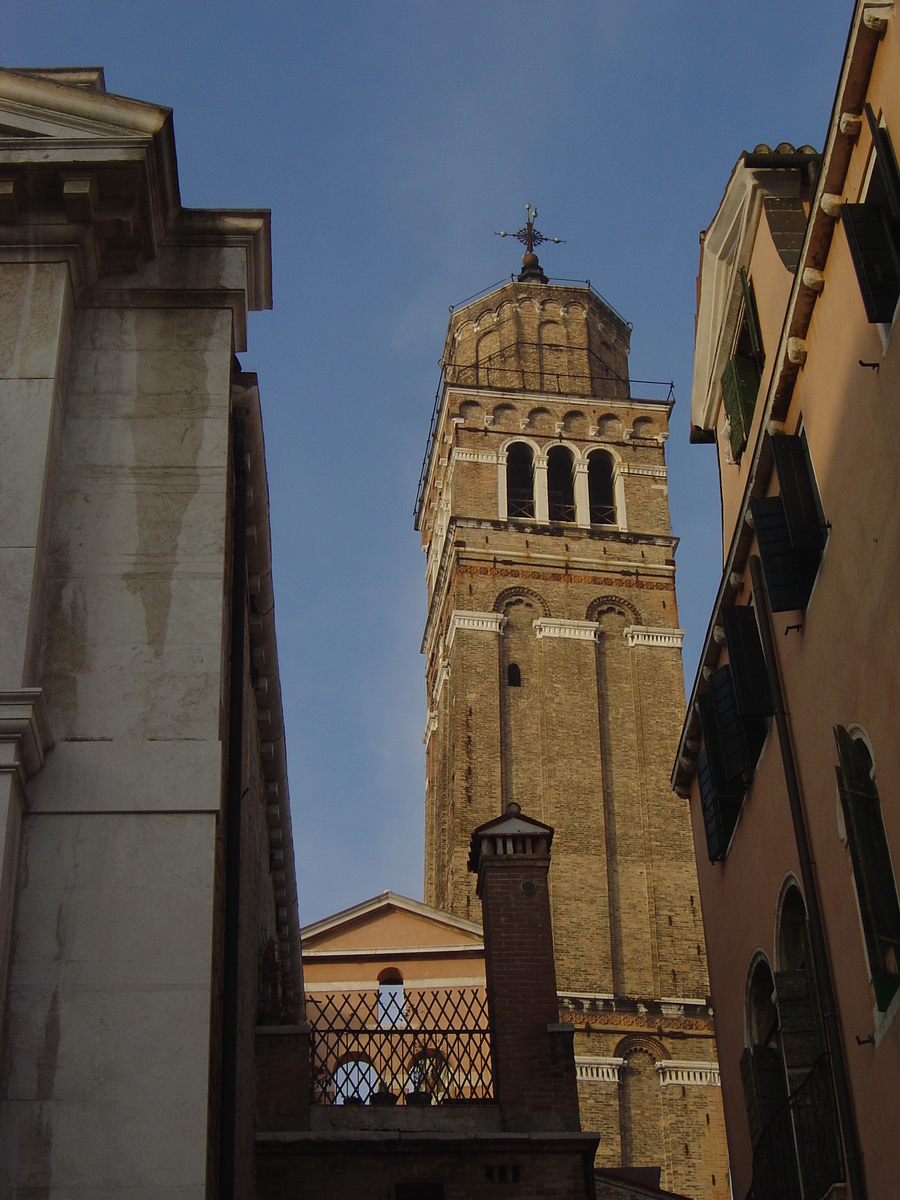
(533, 1055)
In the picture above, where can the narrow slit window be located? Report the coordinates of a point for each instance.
(513, 675)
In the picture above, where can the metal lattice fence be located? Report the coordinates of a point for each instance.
(392, 1045)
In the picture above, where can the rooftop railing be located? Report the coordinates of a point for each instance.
(398, 1046)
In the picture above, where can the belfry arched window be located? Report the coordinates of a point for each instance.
(520, 481)
(601, 488)
(560, 484)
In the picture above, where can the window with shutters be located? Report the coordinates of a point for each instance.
(762, 1065)
(740, 379)
(734, 717)
(873, 230)
(721, 797)
(870, 857)
(790, 528)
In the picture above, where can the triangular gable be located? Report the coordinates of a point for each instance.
(71, 104)
(390, 921)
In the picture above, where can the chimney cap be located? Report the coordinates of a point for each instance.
(513, 825)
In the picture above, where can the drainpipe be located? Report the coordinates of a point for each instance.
(810, 888)
(234, 798)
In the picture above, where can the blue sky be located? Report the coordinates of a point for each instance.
(390, 140)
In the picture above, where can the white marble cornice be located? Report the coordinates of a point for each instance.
(635, 469)
(430, 726)
(598, 1070)
(661, 637)
(687, 1074)
(582, 631)
(480, 622)
(25, 736)
(462, 454)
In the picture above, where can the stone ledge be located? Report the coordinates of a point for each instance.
(25, 735)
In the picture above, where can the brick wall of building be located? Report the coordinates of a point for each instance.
(585, 744)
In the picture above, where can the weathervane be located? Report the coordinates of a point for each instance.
(530, 237)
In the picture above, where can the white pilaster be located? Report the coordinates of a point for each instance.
(541, 500)
(582, 495)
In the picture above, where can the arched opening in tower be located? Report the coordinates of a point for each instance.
(520, 481)
(601, 488)
(561, 484)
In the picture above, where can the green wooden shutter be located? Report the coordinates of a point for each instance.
(709, 806)
(765, 1089)
(752, 319)
(788, 587)
(874, 253)
(748, 664)
(799, 494)
(740, 383)
(873, 870)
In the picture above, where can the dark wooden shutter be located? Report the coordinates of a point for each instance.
(751, 318)
(885, 162)
(802, 507)
(787, 585)
(873, 870)
(874, 253)
(740, 383)
(748, 664)
(735, 758)
(802, 1035)
(765, 1089)
(720, 797)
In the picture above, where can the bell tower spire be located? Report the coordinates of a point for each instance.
(555, 684)
(530, 237)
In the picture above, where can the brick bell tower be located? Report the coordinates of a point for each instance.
(555, 683)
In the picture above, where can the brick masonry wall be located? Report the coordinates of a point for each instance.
(586, 743)
(347, 1171)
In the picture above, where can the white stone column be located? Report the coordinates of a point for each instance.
(619, 493)
(25, 739)
(541, 501)
(502, 510)
(582, 495)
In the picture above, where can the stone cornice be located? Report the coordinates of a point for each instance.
(689, 1074)
(661, 637)
(25, 736)
(552, 627)
(480, 622)
(598, 1070)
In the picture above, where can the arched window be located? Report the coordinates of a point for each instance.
(762, 1067)
(513, 675)
(800, 1017)
(354, 1081)
(429, 1077)
(520, 481)
(391, 1000)
(560, 484)
(870, 857)
(601, 489)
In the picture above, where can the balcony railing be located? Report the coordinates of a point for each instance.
(427, 1046)
(798, 1156)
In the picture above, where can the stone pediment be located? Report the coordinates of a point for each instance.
(91, 178)
(389, 921)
